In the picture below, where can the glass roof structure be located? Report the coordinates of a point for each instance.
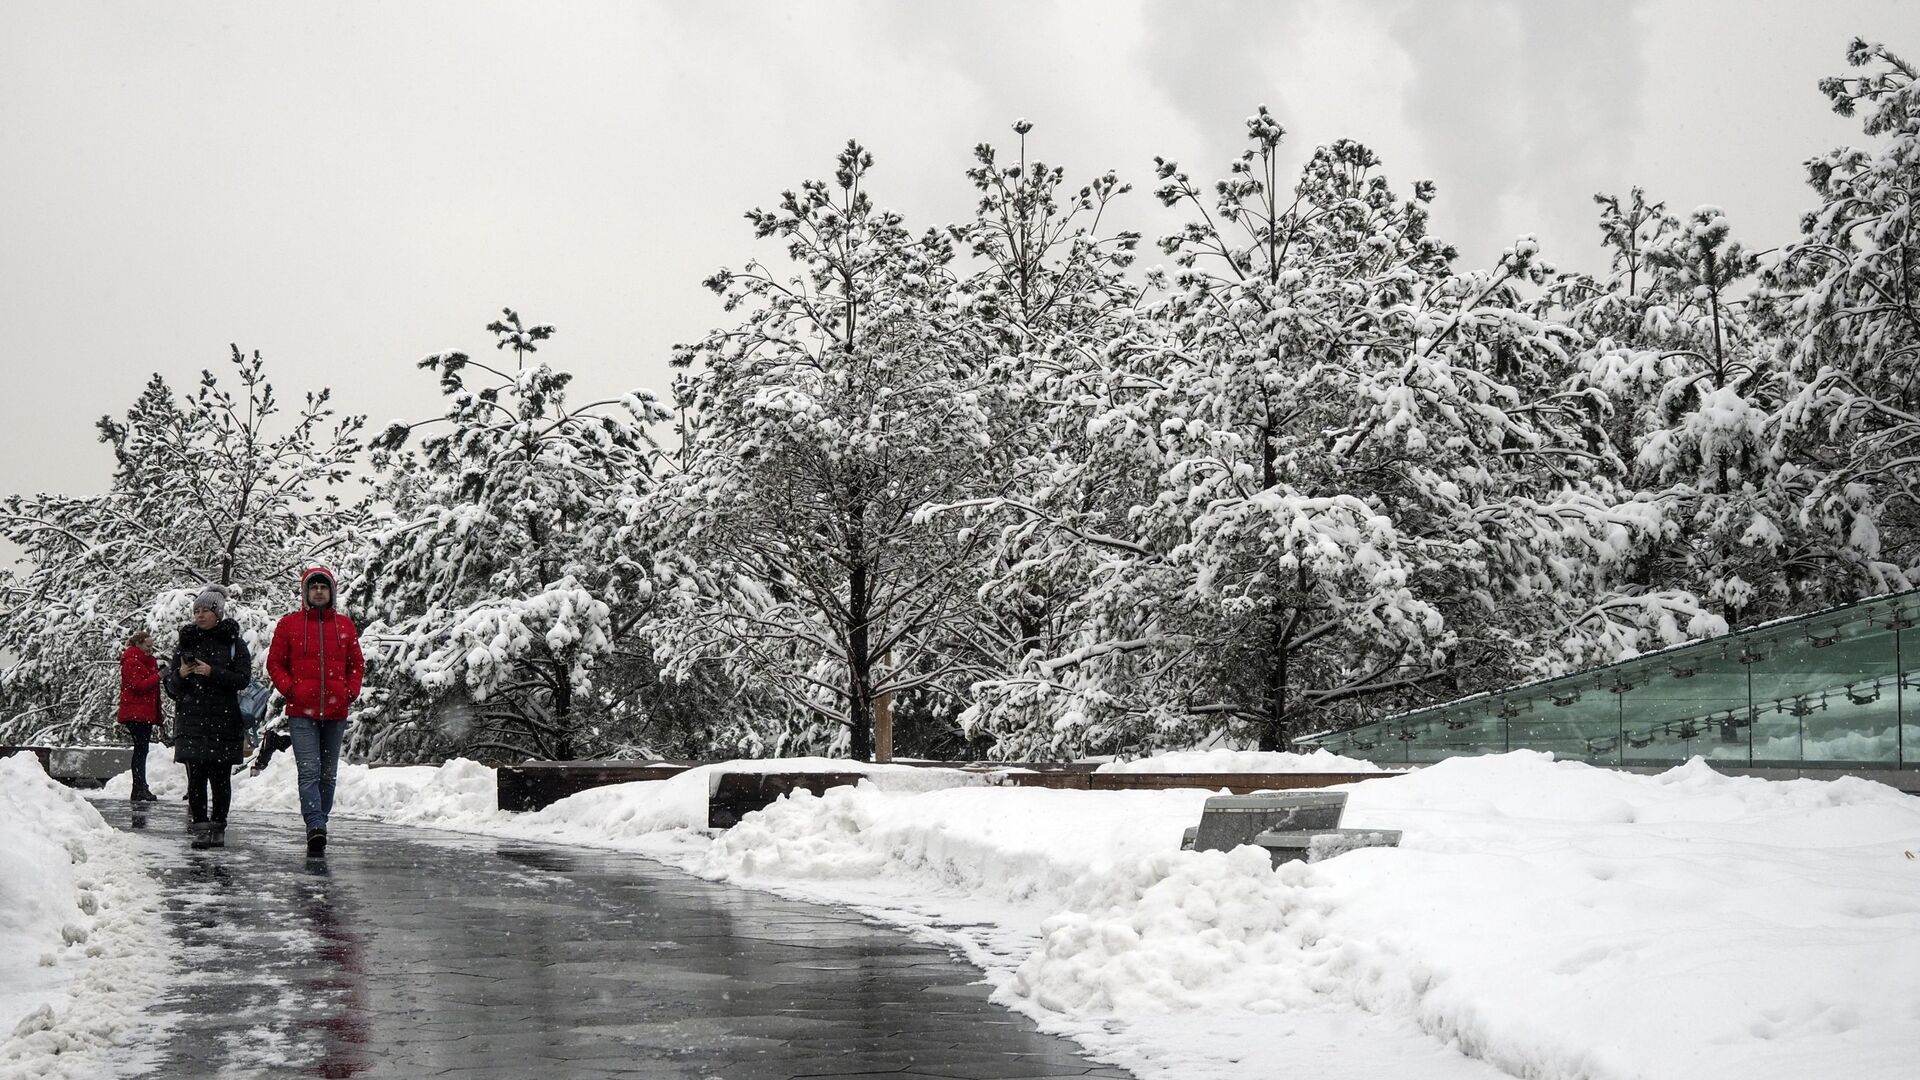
(1823, 690)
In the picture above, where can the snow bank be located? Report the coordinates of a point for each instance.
(1562, 920)
(628, 810)
(166, 778)
(457, 795)
(1549, 919)
(462, 795)
(1540, 918)
(1241, 761)
(81, 945)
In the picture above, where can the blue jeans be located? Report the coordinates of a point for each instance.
(316, 754)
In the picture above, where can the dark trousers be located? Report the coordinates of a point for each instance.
(141, 734)
(201, 776)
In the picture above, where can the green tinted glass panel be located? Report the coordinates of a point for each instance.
(1838, 688)
(1684, 703)
(1828, 693)
(1564, 717)
(1457, 733)
(1907, 687)
(1855, 717)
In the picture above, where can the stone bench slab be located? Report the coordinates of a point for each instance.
(535, 785)
(1237, 782)
(44, 753)
(1229, 821)
(1323, 844)
(1291, 826)
(88, 766)
(732, 796)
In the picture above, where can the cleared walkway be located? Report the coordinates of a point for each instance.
(416, 953)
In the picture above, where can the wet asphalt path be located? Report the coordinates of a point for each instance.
(413, 953)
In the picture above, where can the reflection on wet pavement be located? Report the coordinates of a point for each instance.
(414, 953)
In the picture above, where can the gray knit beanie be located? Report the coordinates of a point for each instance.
(214, 599)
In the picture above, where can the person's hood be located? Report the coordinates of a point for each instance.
(332, 581)
(224, 629)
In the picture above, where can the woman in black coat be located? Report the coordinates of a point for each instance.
(212, 666)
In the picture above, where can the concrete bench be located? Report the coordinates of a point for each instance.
(44, 753)
(732, 796)
(535, 785)
(88, 766)
(1237, 783)
(1323, 844)
(1295, 825)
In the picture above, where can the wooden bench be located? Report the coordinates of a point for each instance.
(1289, 825)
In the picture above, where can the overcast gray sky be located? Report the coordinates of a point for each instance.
(348, 187)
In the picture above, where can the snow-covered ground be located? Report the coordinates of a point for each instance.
(82, 951)
(1540, 918)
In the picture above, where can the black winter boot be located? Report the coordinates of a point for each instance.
(217, 834)
(316, 843)
(201, 833)
(141, 794)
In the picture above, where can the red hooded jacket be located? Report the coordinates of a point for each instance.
(315, 660)
(139, 687)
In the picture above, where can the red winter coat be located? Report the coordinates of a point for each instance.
(139, 687)
(315, 663)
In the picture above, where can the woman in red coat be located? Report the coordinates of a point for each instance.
(140, 704)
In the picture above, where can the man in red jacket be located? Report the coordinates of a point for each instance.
(315, 663)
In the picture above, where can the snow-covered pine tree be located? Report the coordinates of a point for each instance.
(216, 487)
(814, 434)
(503, 566)
(1671, 355)
(1050, 294)
(1362, 478)
(1844, 300)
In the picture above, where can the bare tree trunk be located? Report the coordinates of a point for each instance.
(563, 747)
(1273, 732)
(859, 670)
(859, 655)
(1273, 726)
(883, 722)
